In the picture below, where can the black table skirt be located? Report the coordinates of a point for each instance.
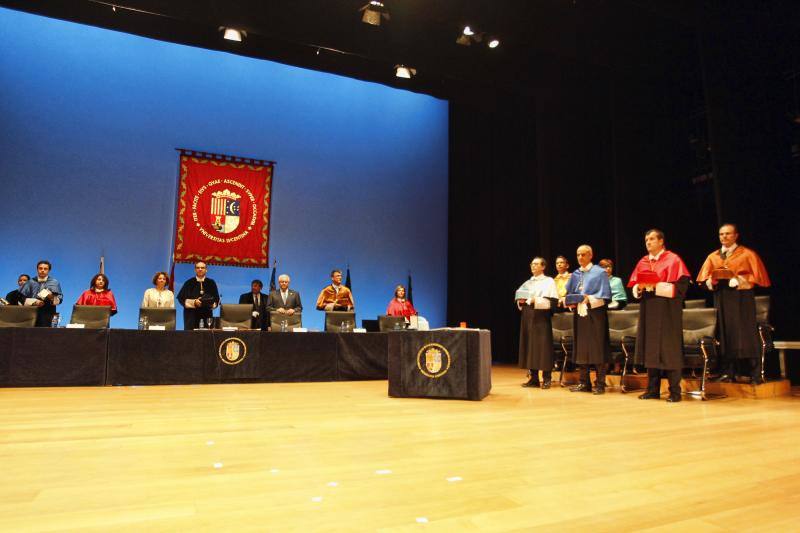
(45, 357)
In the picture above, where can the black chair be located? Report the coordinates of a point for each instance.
(562, 340)
(158, 316)
(292, 321)
(91, 316)
(694, 304)
(17, 316)
(622, 329)
(391, 323)
(335, 319)
(699, 343)
(765, 330)
(236, 315)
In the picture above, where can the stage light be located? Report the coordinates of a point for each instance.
(402, 71)
(374, 11)
(468, 31)
(494, 43)
(232, 34)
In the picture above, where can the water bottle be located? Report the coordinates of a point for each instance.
(56, 319)
(397, 326)
(145, 323)
(284, 326)
(141, 323)
(202, 323)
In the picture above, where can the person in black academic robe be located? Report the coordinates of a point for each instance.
(14, 297)
(198, 296)
(661, 280)
(258, 300)
(536, 299)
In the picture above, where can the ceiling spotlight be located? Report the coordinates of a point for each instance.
(468, 31)
(232, 34)
(373, 12)
(494, 43)
(402, 71)
(469, 36)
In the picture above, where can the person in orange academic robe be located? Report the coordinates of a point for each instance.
(733, 272)
(335, 297)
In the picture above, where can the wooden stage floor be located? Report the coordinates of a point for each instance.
(345, 457)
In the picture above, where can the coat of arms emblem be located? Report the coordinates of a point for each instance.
(433, 360)
(232, 351)
(225, 211)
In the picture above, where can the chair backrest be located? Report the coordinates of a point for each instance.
(159, 316)
(632, 306)
(292, 321)
(236, 315)
(91, 316)
(334, 320)
(622, 324)
(17, 316)
(762, 309)
(562, 326)
(391, 323)
(698, 323)
(694, 304)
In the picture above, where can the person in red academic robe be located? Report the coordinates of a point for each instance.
(733, 272)
(661, 280)
(399, 306)
(98, 294)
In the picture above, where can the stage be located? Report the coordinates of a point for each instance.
(345, 456)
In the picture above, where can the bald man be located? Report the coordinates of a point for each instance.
(588, 296)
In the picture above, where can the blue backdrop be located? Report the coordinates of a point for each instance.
(90, 120)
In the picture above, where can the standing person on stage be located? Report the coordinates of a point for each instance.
(562, 275)
(14, 297)
(732, 272)
(43, 292)
(619, 298)
(99, 294)
(159, 295)
(536, 298)
(588, 294)
(198, 296)
(335, 297)
(285, 301)
(399, 305)
(661, 280)
(259, 302)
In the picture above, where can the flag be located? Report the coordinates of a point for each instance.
(347, 279)
(272, 285)
(102, 264)
(409, 296)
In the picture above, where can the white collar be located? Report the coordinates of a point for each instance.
(655, 257)
(41, 280)
(730, 249)
(540, 277)
(200, 280)
(587, 268)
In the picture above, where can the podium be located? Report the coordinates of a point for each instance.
(444, 363)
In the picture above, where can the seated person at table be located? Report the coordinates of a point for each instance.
(43, 292)
(399, 306)
(619, 298)
(198, 296)
(14, 297)
(98, 294)
(335, 297)
(160, 295)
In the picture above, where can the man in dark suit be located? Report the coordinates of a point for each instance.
(258, 300)
(284, 300)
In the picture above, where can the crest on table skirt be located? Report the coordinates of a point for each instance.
(232, 351)
(433, 360)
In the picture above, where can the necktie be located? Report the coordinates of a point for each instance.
(724, 254)
(257, 305)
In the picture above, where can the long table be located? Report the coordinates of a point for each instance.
(32, 357)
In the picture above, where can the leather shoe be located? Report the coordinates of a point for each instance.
(531, 383)
(674, 398)
(583, 387)
(649, 396)
(725, 378)
(599, 390)
(546, 385)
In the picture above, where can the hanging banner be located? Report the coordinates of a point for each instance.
(223, 209)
